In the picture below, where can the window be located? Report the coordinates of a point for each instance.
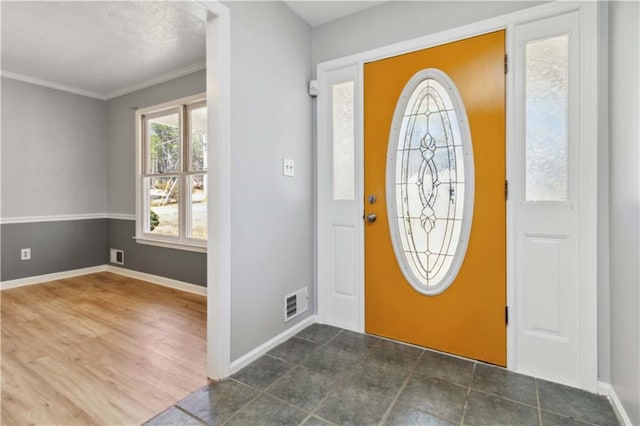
(172, 183)
(344, 182)
(430, 182)
(547, 119)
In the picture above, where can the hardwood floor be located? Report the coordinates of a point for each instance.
(99, 349)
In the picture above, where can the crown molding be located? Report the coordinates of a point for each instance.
(45, 83)
(157, 80)
(109, 95)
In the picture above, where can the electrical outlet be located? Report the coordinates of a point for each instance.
(25, 254)
(288, 167)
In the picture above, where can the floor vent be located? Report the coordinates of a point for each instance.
(295, 304)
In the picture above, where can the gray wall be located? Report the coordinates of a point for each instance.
(397, 21)
(624, 118)
(53, 151)
(181, 265)
(65, 154)
(121, 142)
(271, 215)
(187, 266)
(53, 163)
(55, 247)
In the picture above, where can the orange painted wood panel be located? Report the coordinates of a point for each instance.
(468, 318)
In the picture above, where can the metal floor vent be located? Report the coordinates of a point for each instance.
(295, 304)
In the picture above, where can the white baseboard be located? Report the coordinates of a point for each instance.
(37, 279)
(156, 279)
(608, 390)
(248, 358)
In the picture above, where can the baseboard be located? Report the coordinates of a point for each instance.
(156, 279)
(248, 358)
(608, 390)
(38, 279)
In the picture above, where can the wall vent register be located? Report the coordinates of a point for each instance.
(430, 181)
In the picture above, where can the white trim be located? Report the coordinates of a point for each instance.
(156, 279)
(607, 390)
(52, 218)
(153, 279)
(447, 36)
(109, 95)
(121, 216)
(51, 85)
(511, 170)
(219, 181)
(249, 357)
(163, 78)
(66, 217)
(507, 22)
(39, 279)
(180, 242)
(175, 104)
(171, 245)
(588, 181)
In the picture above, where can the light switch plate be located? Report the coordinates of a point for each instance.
(288, 167)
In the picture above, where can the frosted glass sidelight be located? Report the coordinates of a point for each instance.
(547, 119)
(343, 120)
(430, 181)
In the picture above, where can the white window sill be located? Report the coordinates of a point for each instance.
(172, 245)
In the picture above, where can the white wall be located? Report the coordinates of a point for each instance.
(271, 215)
(53, 152)
(399, 21)
(624, 119)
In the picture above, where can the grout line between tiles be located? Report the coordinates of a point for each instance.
(344, 379)
(386, 414)
(538, 401)
(466, 400)
(569, 417)
(191, 414)
(244, 405)
(505, 398)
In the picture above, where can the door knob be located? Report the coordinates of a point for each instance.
(371, 217)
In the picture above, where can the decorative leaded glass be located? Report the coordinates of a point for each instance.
(430, 181)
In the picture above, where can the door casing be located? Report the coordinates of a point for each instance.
(588, 159)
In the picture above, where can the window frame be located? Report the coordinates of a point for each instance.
(183, 107)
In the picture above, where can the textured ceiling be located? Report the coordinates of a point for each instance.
(104, 48)
(320, 12)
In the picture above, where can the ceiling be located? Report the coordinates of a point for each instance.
(105, 49)
(101, 49)
(320, 12)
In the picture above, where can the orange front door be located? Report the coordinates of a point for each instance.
(468, 318)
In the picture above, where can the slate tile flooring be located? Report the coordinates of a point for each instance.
(328, 376)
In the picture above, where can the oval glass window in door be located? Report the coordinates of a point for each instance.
(430, 181)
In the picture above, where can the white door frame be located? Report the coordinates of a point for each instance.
(218, 58)
(588, 12)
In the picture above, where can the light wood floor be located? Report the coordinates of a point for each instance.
(98, 349)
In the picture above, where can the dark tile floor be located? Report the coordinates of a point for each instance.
(326, 375)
